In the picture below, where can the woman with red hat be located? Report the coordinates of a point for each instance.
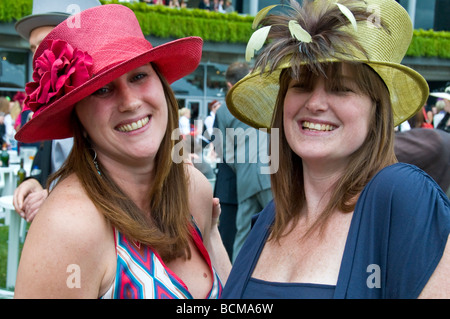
(124, 220)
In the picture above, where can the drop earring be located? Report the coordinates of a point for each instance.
(95, 163)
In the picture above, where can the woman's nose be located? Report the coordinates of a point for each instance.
(317, 100)
(129, 100)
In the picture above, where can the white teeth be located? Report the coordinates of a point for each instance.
(133, 126)
(317, 126)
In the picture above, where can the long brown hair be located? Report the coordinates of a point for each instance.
(376, 152)
(167, 231)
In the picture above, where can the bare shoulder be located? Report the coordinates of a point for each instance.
(197, 181)
(68, 207)
(200, 198)
(68, 230)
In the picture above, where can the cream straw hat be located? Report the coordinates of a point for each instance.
(442, 95)
(382, 29)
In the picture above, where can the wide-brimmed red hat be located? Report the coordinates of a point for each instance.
(86, 52)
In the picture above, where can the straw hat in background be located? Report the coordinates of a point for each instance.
(50, 13)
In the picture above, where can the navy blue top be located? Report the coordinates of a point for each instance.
(260, 289)
(396, 239)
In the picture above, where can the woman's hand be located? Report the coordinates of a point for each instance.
(215, 213)
(28, 197)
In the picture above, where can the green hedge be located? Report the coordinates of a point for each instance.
(11, 10)
(430, 44)
(164, 22)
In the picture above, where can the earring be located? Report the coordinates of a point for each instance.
(95, 163)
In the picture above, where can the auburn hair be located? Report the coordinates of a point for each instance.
(168, 229)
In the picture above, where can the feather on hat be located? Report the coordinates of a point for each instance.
(374, 32)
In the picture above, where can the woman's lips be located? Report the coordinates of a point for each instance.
(129, 127)
(311, 126)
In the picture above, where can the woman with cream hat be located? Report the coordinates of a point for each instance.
(124, 220)
(347, 220)
(444, 122)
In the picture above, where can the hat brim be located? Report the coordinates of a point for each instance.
(27, 24)
(174, 59)
(252, 99)
(441, 95)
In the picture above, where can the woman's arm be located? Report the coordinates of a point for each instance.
(215, 247)
(438, 285)
(64, 253)
(206, 211)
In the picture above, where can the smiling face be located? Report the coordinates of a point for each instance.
(326, 120)
(126, 120)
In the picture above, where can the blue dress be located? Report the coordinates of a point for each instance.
(396, 239)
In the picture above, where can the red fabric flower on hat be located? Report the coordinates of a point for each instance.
(57, 71)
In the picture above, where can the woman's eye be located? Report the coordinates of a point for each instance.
(343, 89)
(298, 86)
(138, 77)
(102, 91)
